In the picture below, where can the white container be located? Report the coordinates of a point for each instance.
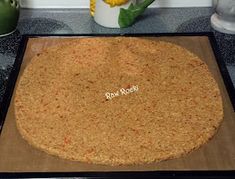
(108, 16)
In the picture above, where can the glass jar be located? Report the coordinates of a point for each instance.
(9, 15)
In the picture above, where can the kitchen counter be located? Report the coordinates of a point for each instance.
(78, 21)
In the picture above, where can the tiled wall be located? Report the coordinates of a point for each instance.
(85, 3)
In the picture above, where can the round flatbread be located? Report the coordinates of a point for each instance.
(70, 101)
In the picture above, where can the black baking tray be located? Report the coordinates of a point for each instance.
(155, 174)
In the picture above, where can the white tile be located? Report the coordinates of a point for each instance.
(85, 3)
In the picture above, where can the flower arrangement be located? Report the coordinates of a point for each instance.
(117, 13)
(113, 3)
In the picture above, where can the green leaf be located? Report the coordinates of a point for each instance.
(128, 16)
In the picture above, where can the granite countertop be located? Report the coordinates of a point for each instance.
(78, 21)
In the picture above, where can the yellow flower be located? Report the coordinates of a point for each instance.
(113, 3)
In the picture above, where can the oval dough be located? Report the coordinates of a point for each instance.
(61, 108)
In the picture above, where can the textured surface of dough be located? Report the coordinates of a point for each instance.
(60, 103)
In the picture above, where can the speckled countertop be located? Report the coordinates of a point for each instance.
(78, 21)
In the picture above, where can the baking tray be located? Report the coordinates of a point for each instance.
(216, 158)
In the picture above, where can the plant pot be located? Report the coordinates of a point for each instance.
(9, 15)
(117, 13)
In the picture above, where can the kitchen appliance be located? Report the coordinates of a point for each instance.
(223, 20)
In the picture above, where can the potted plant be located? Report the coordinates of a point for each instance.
(117, 13)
